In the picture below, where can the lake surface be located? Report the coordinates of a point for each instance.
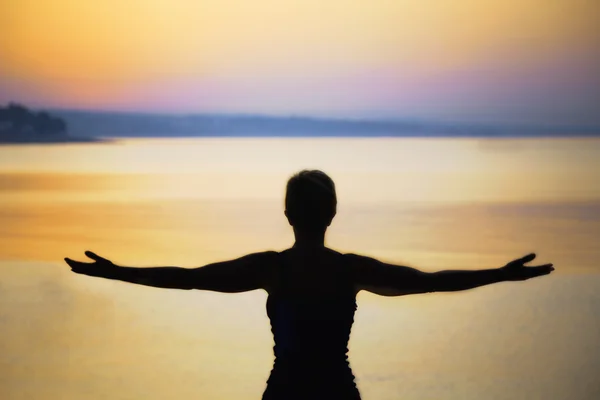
(429, 203)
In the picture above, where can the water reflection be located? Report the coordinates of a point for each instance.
(65, 337)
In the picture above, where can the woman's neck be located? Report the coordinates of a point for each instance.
(309, 239)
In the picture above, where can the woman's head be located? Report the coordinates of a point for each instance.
(310, 200)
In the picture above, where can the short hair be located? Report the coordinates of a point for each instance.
(310, 200)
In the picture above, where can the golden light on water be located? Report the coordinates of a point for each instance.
(393, 169)
(157, 198)
(430, 203)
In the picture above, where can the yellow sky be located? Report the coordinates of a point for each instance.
(264, 53)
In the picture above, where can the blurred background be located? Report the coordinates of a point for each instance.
(459, 135)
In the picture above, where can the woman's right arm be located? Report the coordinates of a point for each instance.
(394, 280)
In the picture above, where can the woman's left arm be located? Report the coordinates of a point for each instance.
(246, 273)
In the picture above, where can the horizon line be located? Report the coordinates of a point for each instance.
(330, 118)
(319, 118)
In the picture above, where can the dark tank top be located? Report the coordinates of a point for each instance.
(311, 328)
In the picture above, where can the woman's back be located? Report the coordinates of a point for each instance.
(311, 305)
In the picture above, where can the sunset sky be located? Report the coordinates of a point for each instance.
(532, 61)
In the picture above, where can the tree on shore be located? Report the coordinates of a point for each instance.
(18, 119)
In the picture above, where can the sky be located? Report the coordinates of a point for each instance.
(527, 61)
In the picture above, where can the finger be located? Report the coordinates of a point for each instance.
(526, 259)
(94, 256)
(76, 266)
(71, 263)
(540, 270)
(549, 267)
(543, 266)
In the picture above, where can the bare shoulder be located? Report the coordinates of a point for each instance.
(266, 264)
(359, 260)
(264, 261)
(384, 278)
(267, 256)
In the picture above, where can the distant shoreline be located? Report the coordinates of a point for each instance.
(23, 126)
(115, 139)
(33, 141)
(133, 125)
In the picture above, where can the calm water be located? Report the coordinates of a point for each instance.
(428, 203)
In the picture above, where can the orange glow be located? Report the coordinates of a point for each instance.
(111, 52)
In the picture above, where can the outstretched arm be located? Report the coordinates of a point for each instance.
(393, 280)
(242, 274)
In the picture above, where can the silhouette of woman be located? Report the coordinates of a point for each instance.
(311, 291)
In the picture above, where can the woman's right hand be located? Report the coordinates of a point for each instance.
(517, 271)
